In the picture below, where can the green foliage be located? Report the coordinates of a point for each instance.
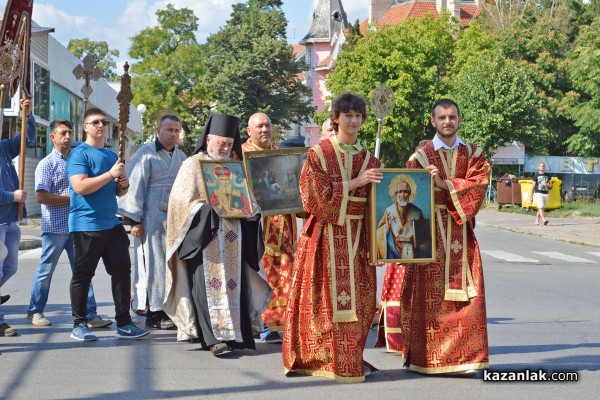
(584, 69)
(541, 36)
(169, 74)
(473, 43)
(103, 56)
(251, 67)
(499, 104)
(353, 36)
(412, 58)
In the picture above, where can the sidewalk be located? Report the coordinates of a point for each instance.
(576, 230)
(31, 236)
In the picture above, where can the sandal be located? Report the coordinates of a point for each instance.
(220, 349)
(6, 330)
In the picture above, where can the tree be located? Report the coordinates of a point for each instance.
(103, 56)
(540, 35)
(412, 58)
(499, 105)
(353, 36)
(584, 69)
(251, 67)
(498, 100)
(170, 73)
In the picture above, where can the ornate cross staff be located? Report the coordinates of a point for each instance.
(16, 37)
(382, 103)
(124, 98)
(10, 65)
(89, 72)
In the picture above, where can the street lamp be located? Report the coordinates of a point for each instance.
(142, 109)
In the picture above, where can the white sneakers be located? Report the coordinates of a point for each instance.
(39, 320)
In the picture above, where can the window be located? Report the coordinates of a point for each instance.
(41, 92)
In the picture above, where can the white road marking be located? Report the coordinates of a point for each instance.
(33, 254)
(509, 257)
(564, 257)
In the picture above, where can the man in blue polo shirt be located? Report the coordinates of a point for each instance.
(52, 192)
(95, 229)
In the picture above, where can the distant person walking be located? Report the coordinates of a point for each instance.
(542, 183)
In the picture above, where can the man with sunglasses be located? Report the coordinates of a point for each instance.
(152, 171)
(52, 192)
(96, 178)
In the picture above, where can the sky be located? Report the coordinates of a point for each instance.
(115, 21)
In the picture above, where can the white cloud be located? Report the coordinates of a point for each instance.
(356, 9)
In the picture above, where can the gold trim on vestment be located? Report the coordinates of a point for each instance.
(270, 248)
(454, 368)
(354, 217)
(456, 202)
(346, 172)
(421, 158)
(467, 289)
(331, 375)
(277, 303)
(357, 199)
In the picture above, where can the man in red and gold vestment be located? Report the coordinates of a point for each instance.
(279, 233)
(332, 296)
(442, 305)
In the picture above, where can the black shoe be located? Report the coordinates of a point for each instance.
(4, 299)
(159, 320)
(220, 349)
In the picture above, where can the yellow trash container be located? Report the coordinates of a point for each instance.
(554, 200)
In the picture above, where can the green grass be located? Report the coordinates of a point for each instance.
(568, 209)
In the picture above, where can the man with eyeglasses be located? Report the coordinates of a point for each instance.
(96, 178)
(52, 192)
(152, 171)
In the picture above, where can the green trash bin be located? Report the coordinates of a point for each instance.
(554, 199)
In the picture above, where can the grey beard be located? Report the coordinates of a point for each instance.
(402, 203)
(216, 156)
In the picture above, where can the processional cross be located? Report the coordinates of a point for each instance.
(382, 103)
(89, 72)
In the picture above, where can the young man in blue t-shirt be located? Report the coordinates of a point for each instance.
(95, 230)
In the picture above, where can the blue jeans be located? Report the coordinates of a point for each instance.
(10, 235)
(53, 245)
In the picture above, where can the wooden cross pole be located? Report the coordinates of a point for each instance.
(124, 98)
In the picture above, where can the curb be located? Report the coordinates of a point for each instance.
(28, 243)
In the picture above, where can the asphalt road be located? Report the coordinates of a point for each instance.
(542, 314)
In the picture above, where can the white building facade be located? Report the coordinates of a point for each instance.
(57, 95)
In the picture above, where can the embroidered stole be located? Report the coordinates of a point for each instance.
(343, 291)
(467, 289)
